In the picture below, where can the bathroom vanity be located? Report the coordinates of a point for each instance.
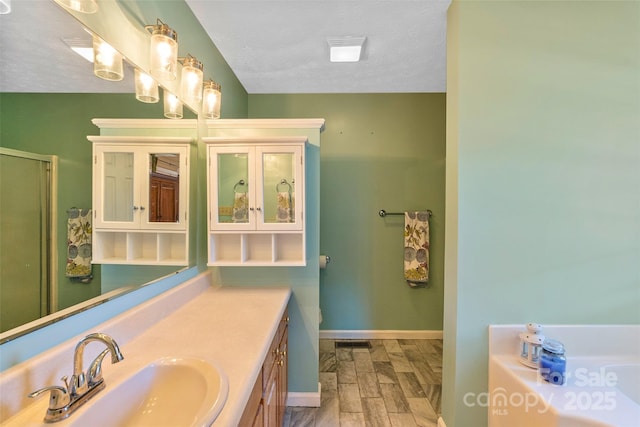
(242, 332)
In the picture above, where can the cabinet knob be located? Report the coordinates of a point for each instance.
(280, 362)
(259, 209)
(251, 209)
(141, 208)
(135, 208)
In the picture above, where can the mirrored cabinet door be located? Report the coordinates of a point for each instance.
(232, 188)
(164, 188)
(140, 187)
(280, 170)
(117, 197)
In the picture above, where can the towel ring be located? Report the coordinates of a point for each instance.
(241, 182)
(283, 182)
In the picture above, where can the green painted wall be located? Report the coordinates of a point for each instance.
(378, 151)
(543, 128)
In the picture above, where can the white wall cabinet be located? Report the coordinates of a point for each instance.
(140, 200)
(256, 201)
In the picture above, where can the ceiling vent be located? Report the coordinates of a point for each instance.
(345, 49)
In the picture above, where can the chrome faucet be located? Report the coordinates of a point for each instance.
(63, 401)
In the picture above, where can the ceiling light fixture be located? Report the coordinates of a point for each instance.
(211, 100)
(82, 6)
(345, 49)
(164, 51)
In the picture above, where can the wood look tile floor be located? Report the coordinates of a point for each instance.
(394, 383)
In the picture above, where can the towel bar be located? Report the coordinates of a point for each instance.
(384, 213)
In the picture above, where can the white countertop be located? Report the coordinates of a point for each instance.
(232, 327)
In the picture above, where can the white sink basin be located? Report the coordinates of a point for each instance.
(167, 392)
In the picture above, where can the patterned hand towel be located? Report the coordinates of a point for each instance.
(416, 248)
(283, 213)
(78, 243)
(240, 208)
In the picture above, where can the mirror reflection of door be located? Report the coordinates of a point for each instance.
(164, 185)
(24, 233)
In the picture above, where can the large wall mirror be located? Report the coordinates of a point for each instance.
(48, 96)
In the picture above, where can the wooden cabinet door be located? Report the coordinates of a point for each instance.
(282, 377)
(271, 401)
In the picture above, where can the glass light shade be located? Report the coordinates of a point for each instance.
(107, 62)
(82, 6)
(146, 88)
(211, 100)
(5, 7)
(172, 106)
(191, 81)
(164, 52)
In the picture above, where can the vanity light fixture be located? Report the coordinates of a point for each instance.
(146, 87)
(82, 6)
(191, 80)
(211, 100)
(107, 62)
(172, 106)
(345, 49)
(164, 51)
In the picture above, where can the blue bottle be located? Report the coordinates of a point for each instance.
(553, 363)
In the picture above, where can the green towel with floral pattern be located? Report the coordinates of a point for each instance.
(416, 248)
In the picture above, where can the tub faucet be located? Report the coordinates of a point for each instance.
(63, 401)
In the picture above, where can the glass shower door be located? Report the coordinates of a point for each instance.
(24, 254)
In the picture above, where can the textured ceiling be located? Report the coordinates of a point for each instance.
(272, 46)
(281, 46)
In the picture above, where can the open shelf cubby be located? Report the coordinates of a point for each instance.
(256, 249)
(143, 248)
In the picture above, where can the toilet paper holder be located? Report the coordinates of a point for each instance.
(324, 261)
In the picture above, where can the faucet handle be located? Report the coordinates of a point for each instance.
(59, 397)
(94, 373)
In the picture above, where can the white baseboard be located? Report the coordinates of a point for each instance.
(381, 335)
(306, 399)
(441, 422)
